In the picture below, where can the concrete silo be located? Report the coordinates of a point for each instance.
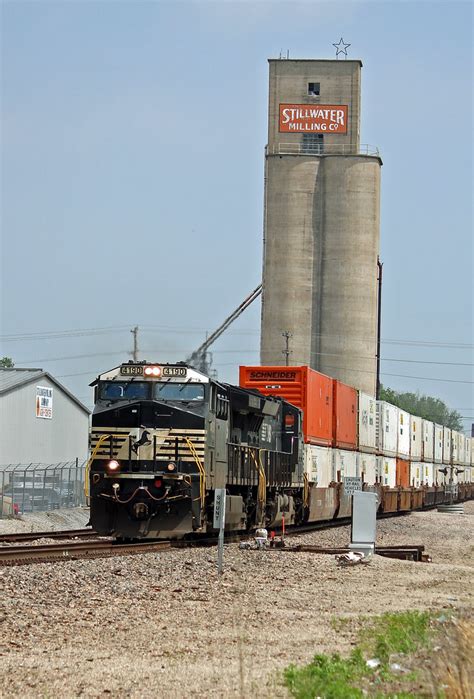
(321, 228)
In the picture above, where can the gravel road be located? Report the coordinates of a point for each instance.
(164, 624)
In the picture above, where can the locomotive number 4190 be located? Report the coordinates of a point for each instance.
(180, 371)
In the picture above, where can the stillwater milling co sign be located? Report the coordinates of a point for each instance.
(307, 118)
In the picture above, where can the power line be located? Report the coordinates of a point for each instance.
(74, 356)
(52, 335)
(76, 332)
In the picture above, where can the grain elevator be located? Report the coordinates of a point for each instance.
(321, 223)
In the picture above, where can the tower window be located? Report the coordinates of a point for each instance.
(313, 143)
(313, 89)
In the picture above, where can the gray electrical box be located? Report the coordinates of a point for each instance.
(364, 522)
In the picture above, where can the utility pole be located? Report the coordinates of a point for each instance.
(287, 350)
(134, 354)
(379, 324)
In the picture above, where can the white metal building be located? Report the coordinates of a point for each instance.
(40, 420)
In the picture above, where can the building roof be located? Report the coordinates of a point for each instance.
(10, 379)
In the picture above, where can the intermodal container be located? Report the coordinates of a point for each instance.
(461, 440)
(467, 454)
(416, 473)
(455, 446)
(344, 464)
(301, 386)
(428, 433)
(438, 444)
(447, 455)
(428, 473)
(415, 437)
(367, 423)
(386, 428)
(403, 444)
(344, 416)
(367, 468)
(472, 451)
(403, 473)
(318, 465)
(387, 470)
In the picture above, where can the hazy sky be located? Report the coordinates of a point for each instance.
(132, 178)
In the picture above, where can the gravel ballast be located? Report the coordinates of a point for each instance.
(166, 625)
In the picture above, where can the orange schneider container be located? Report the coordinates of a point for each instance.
(345, 416)
(403, 473)
(301, 386)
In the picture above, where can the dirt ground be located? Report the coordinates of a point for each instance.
(165, 625)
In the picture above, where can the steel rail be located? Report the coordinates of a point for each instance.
(56, 534)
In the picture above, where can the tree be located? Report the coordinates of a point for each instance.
(426, 407)
(6, 363)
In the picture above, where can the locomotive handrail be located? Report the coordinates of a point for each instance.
(305, 490)
(100, 441)
(91, 459)
(202, 471)
(262, 481)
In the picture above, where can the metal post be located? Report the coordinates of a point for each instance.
(219, 523)
(2, 495)
(134, 353)
(287, 350)
(379, 325)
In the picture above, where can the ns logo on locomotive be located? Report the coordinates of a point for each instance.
(164, 436)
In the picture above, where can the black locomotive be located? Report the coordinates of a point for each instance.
(164, 436)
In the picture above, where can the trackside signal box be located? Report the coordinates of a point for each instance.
(301, 386)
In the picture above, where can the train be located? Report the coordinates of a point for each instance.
(283, 443)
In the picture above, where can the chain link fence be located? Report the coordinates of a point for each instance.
(41, 487)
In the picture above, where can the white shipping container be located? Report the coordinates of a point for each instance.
(461, 448)
(416, 473)
(367, 422)
(403, 446)
(416, 437)
(438, 444)
(467, 452)
(455, 442)
(318, 465)
(428, 473)
(428, 434)
(472, 451)
(386, 428)
(344, 463)
(446, 445)
(387, 470)
(367, 468)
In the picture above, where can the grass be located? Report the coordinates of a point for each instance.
(387, 639)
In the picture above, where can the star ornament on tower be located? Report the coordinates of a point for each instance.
(341, 47)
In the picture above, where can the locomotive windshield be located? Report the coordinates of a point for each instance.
(125, 390)
(179, 391)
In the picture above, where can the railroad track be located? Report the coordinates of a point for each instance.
(33, 536)
(73, 550)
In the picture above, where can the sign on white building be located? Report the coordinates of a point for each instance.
(44, 402)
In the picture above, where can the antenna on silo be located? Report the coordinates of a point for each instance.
(287, 350)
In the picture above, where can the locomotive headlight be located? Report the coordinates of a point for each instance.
(171, 466)
(152, 371)
(113, 465)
